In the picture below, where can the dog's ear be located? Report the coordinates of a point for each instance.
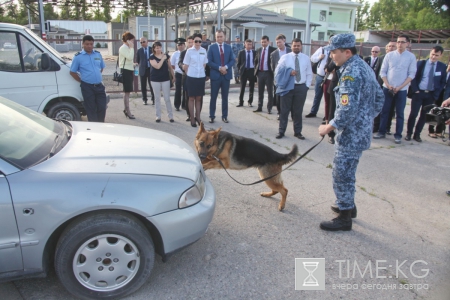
(216, 132)
(201, 130)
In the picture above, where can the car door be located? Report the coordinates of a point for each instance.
(22, 79)
(10, 251)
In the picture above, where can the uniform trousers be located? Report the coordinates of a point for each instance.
(344, 177)
(265, 79)
(94, 102)
(178, 92)
(418, 101)
(293, 101)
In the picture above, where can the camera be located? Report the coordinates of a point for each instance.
(437, 115)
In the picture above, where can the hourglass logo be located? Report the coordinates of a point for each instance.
(310, 273)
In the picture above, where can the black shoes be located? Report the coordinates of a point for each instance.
(144, 101)
(129, 116)
(417, 139)
(211, 120)
(335, 208)
(188, 119)
(177, 109)
(408, 137)
(299, 136)
(258, 110)
(172, 120)
(225, 120)
(331, 140)
(250, 104)
(342, 222)
(279, 136)
(310, 115)
(153, 102)
(240, 105)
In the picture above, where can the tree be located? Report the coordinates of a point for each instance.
(49, 13)
(362, 13)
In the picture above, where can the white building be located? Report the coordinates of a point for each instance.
(334, 16)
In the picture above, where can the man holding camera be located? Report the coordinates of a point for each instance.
(425, 89)
(398, 69)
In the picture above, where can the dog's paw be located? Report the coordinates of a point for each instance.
(280, 207)
(266, 194)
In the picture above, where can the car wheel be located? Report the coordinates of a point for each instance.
(104, 255)
(64, 111)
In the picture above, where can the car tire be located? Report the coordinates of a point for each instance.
(65, 111)
(104, 255)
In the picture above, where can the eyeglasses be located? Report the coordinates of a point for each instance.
(375, 51)
(197, 41)
(401, 42)
(143, 42)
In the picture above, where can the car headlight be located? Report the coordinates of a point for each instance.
(194, 194)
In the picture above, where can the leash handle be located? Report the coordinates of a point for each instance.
(271, 176)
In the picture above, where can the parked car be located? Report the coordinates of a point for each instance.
(37, 76)
(8, 45)
(96, 199)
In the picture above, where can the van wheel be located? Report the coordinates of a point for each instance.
(64, 111)
(104, 255)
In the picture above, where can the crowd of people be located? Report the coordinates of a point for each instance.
(361, 95)
(198, 60)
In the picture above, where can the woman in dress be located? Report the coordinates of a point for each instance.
(160, 79)
(126, 56)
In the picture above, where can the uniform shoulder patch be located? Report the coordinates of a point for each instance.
(344, 99)
(78, 53)
(348, 77)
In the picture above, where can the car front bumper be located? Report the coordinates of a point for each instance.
(181, 227)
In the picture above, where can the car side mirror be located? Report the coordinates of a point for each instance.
(45, 62)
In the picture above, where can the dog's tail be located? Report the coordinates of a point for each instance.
(287, 158)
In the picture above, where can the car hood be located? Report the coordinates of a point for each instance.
(123, 149)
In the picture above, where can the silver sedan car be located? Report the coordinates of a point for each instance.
(97, 199)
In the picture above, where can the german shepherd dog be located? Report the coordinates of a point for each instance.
(239, 153)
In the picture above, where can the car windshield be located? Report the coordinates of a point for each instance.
(64, 59)
(26, 137)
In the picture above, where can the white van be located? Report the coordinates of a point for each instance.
(35, 75)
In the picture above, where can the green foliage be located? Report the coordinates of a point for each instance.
(98, 45)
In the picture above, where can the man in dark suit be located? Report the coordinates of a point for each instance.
(220, 60)
(142, 56)
(374, 61)
(425, 89)
(264, 73)
(282, 49)
(246, 71)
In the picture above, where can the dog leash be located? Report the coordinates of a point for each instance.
(267, 178)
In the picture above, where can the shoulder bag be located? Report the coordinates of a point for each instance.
(119, 76)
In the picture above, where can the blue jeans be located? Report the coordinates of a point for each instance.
(400, 102)
(318, 94)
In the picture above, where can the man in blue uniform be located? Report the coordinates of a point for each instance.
(87, 67)
(359, 99)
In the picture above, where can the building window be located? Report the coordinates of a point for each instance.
(297, 34)
(59, 39)
(323, 16)
(321, 36)
(283, 11)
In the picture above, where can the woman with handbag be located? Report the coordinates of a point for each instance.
(160, 79)
(194, 66)
(126, 56)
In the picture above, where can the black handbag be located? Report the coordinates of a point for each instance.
(119, 76)
(316, 64)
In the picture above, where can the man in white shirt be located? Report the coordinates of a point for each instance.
(282, 49)
(178, 72)
(294, 100)
(320, 57)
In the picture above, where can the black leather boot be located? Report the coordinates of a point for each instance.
(342, 222)
(335, 208)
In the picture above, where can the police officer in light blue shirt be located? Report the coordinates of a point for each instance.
(87, 67)
(359, 99)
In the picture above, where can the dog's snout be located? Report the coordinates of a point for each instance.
(202, 156)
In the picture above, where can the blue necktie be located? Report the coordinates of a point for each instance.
(248, 60)
(430, 86)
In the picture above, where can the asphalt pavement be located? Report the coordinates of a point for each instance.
(398, 248)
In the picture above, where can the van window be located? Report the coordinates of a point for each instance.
(9, 54)
(31, 55)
